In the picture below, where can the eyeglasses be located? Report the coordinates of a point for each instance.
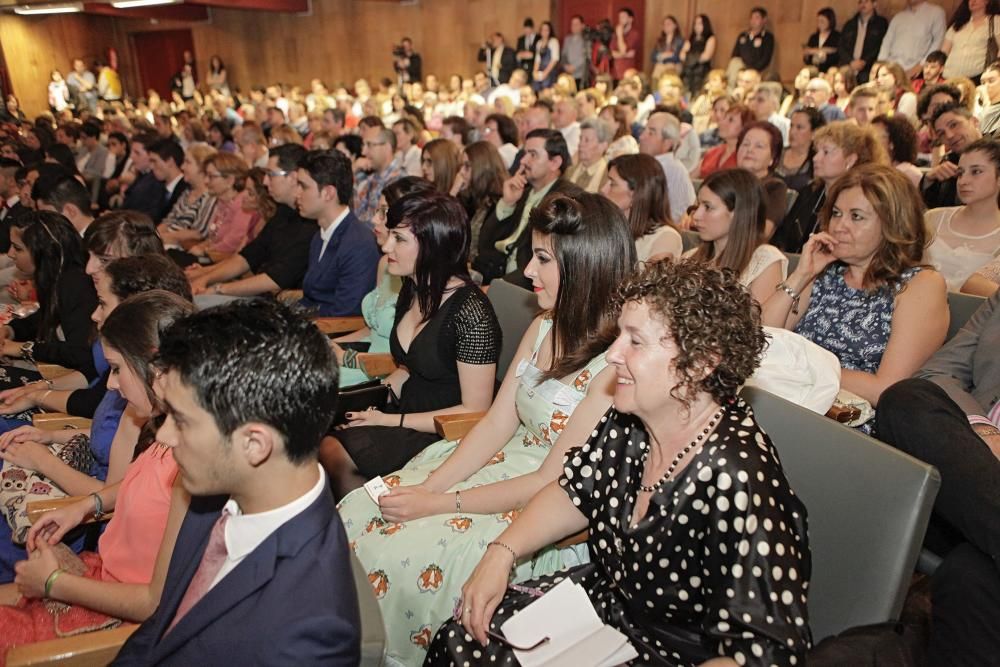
(373, 144)
(275, 173)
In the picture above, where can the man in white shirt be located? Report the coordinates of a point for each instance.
(659, 138)
(564, 119)
(914, 32)
(249, 389)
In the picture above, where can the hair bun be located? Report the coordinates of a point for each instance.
(558, 214)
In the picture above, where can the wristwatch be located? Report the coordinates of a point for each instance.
(217, 288)
(27, 350)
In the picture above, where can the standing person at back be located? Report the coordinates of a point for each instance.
(625, 44)
(914, 32)
(260, 573)
(343, 256)
(755, 47)
(861, 39)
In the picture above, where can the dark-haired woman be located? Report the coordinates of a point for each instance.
(730, 221)
(217, 77)
(556, 388)
(501, 131)
(124, 578)
(220, 138)
(636, 184)
(445, 340)
(479, 186)
(46, 247)
(759, 151)
(899, 139)
(697, 53)
(795, 165)
(439, 163)
(698, 543)
(821, 47)
(378, 306)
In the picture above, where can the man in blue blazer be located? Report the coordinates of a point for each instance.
(261, 570)
(343, 257)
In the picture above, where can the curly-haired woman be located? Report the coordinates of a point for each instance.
(698, 544)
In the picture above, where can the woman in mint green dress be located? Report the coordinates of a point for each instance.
(379, 306)
(422, 540)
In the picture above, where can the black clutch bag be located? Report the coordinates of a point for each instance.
(360, 397)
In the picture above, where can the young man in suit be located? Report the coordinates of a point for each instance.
(146, 194)
(165, 159)
(343, 256)
(261, 571)
(861, 39)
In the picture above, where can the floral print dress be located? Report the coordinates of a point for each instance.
(417, 568)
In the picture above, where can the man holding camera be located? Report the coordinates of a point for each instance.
(406, 62)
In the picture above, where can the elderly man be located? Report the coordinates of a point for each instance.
(817, 95)
(659, 138)
(764, 103)
(565, 118)
(591, 169)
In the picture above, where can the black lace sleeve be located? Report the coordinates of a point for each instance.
(477, 331)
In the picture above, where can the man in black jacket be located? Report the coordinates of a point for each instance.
(505, 238)
(146, 194)
(861, 39)
(165, 159)
(955, 128)
(526, 46)
(499, 58)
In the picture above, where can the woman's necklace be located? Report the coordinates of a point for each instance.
(681, 454)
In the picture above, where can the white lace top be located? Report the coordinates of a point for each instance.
(956, 255)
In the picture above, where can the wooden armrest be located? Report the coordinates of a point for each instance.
(290, 295)
(376, 365)
(455, 426)
(86, 650)
(55, 421)
(38, 508)
(572, 540)
(52, 371)
(339, 325)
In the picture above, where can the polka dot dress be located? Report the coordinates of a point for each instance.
(718, 566)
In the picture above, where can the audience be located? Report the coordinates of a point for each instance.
(678, 320)
(697, 53)
(822, 49)
(759, 152)
(187, 222)
(146, 193)
(973, 25)
(723, 156)
(892, 81)
(636, 185)
(591, 168)
(914, 31)
(899, 139)
(796, 165)
(383, 167)
(955, 128)
(861, 39)
(659, 139)
(232, 224)
(481, 180)
(439, 164)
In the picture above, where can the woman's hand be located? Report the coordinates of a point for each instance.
(52, 526)
(34, 572)
(484, 590)
(27, 454)
(25, 434)
(20, 290)
(371, 417)
(337, 352)
(406, 503)
(19, 404)
(817, 254)
(11, 395)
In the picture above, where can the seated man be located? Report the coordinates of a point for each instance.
(955, 128)
(278, 257)
(948, 416)
(343, 255)
(260, 573)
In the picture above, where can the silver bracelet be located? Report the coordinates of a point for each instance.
(783, 286)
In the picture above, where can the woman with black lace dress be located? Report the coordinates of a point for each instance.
(445, 342)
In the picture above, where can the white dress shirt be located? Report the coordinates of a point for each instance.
(327, 234)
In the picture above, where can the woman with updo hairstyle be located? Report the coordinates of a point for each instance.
(730, 221)
(439, 163)
(636, 184)
(838, 148)
(445, 341)
(691, 521)
(554, 391)
(862, 289)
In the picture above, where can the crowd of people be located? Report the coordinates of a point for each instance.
(171, 252)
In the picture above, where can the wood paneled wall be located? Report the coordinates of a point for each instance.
(345, 39)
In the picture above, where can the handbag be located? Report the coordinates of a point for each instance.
(360, 397)
(991, 46)
(20, 486)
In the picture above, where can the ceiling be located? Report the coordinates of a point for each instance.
(189, 10)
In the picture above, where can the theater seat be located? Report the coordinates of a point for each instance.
(868, 507)
(961, 307)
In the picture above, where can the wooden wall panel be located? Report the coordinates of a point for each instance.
(345, 39)
(34, 46)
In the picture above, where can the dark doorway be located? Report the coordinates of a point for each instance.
(159, 56)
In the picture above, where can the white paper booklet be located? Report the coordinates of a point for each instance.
(577, 637)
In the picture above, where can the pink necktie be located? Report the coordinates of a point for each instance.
(211, 563)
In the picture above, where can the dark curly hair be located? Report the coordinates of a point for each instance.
(713, 320)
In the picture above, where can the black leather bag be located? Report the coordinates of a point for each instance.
(360, 397)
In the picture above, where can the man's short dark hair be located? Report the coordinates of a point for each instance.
(957, 109)
(7, 164)
(146, 139)
(759, 10)
(555, 145)
(628, 11)
(58, 190)
(142, 273)
(628, 101)
(330, 168)
(257, 361)
(119, 137)
(168, 149)
(72, 130)
(289, 156)
(938, 57)
(338, 115)
(92, 130)
(408, 126)
(924, 101)
(461, 127)
(370, 121)
(528, 23)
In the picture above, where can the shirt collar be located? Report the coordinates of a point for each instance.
(246, 532)
(327, 233)
(172, 185)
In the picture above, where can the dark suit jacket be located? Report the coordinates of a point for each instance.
(14, 211)
(508, 63)
(335, 285)
(801, 221)
(491, 262)
(168, 202)
(146, 194)
(874, 34)
(292, 601)
(527, 64)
